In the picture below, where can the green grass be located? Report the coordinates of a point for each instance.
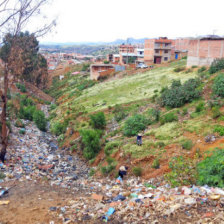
(127, 89)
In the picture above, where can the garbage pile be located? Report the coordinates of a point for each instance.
(136, 201)
(33, 155)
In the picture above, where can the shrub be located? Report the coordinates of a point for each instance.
(211, 170)
(202, 69)
(155, 164)
(40, 120)
(135, 124)
(120, 116)
(21, 87)
(183, 172)
(110, 146)
(218, 86)
(185, 111)
(58, 128)
(27, 112)
(19, 124)
(85, 67)
(26, 101)
(91, 172)
(219, 129)
(200, 107)
(110, 160)
(179, 69)
(98, 120)
(137, 171)
(215, 101)
(91, 142)
(177, 95)
(105, 170)
(169, 117)
(216, 112)
(217, 65)
(119, 113)
(187, 144)
(194, 66)
(73, 148)
(154, 114)
(53, 106)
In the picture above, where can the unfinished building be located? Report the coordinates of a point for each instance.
(203, 51)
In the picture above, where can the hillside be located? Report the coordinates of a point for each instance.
(122, 97)
(72, 168)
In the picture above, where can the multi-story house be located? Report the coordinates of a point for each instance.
(157, 51)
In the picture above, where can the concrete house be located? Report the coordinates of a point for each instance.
(98, 71)
(157, 51)
(203, 51)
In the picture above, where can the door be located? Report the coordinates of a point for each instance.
(176, 56)
(158, 60)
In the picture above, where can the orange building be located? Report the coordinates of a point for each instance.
(157, 50)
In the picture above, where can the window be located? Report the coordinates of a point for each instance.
(165, 51)
(166, 45)
(157, 51)
(165, 58)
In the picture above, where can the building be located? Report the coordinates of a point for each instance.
(127, 54)
(203, 51)
(113, 58)
(98, 71)
(140, 55)
(157, 51)
(180, 48)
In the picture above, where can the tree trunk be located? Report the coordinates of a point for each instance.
(3, 118)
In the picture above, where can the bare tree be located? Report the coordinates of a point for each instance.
(15, 15)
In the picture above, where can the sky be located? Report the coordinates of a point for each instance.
(105, 20)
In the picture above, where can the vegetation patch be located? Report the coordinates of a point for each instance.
(91, 142)
(211, 170)
(177, 95)
(169, 117)
(110, 146)
(218, 86)
(183, 172)
(187, 144)
(217, 65)
(137, 171)
(98, 120)
(135, 124)
(219, 129)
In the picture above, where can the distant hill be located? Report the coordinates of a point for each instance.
(116, 42)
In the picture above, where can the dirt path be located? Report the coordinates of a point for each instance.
(30, 202)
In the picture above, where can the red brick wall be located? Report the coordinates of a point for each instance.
(149, 50)
(106, 73)
(206, 48)
(181, 44)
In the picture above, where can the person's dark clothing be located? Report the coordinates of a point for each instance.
(139, 140)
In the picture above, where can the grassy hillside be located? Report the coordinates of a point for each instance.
(125, 90)
(177, 132)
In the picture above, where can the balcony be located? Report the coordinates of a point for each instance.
(162, 47)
